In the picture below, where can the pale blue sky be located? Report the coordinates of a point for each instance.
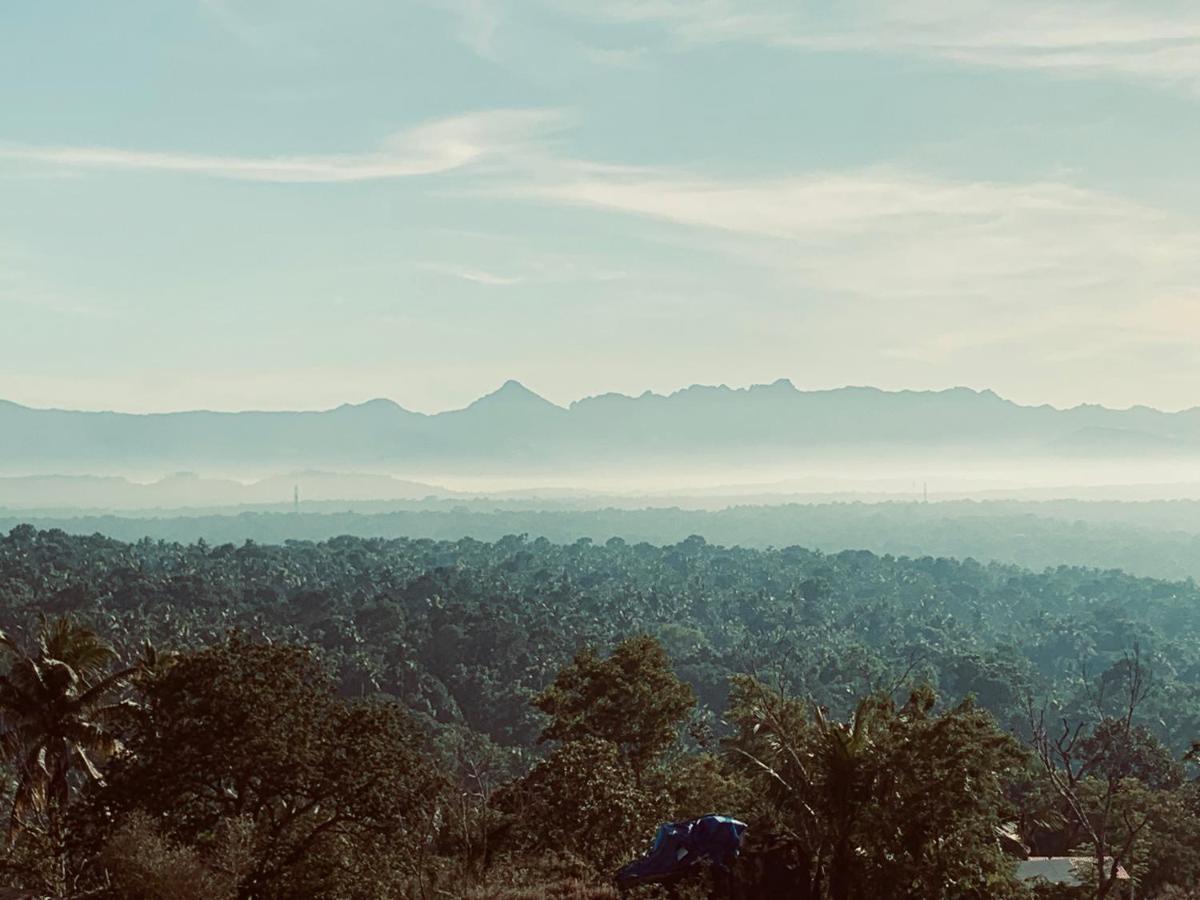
(259, 203)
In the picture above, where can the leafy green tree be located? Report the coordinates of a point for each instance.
(255, 733)
(582, 799)
(938, 801)
(633, 699)
(1116, 748)
(140, 864)
(1165, 850)
(613, 719)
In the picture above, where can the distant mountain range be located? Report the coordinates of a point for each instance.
(514, 429)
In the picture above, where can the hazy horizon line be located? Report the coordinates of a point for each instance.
(515, 384)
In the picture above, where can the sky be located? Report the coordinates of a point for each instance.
(236, 204)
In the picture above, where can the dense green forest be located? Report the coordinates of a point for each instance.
(420, 718)
(1160, 539)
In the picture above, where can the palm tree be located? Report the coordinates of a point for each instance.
(817, 768)
(843, 751)
(57, 708)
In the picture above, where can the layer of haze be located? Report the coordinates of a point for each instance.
(232, 204)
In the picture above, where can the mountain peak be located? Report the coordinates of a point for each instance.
(378, 405)
(512, 386)
(512, 395)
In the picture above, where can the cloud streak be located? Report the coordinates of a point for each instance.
(940, 268)
(428, 149)
(1149, 41)
(473, 275)
(987, 261)
(881, 233)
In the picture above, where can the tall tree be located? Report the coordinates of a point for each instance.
(254, 736)
(633, 699)
(57, 706)
(1097, 770)
(897, 802)
(58, 710)
(613, 719)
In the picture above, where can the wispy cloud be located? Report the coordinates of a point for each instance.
(475, 276)
(430, 148)
(615, 57)
(987, 261)
(1149, 40)
(523, 268)
(489, 278)
(478, 22)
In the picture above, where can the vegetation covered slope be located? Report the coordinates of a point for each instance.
(536, 705)
(467, 631)
(1157, 539)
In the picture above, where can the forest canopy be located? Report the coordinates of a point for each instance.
(244, 704)
(1159, 539)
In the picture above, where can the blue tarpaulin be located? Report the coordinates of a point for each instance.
(680, 846)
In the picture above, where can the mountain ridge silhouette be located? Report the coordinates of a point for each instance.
(515, 425)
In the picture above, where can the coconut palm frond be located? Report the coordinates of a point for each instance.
(88, 766)
(57, 706)
(106, 685)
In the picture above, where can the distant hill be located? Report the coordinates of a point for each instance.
(514, 428)
(186, 489)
